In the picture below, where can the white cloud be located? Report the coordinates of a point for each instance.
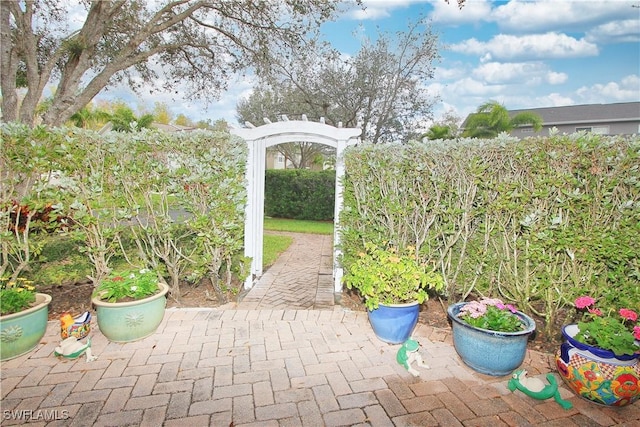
(627, 90)
(549, 45)
(450, 13)
(455, 71)
(471, 87)
(378, 9)
(545, 15)
(554, 78)
(369, 13)
(532, 73)
(551, 100)
(615, 32)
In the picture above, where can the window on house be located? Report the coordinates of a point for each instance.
(601, 130)
(280, 159)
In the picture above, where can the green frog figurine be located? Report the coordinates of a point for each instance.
(407, 354)
(536, 388)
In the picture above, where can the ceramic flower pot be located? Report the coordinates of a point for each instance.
(598, 375)
(21, 332)
(394, 323)
(489, 352)
(133, 320)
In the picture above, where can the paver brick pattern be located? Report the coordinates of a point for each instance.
(275, 367)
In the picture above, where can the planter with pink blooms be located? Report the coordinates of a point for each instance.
(600, 356)
(490, 336)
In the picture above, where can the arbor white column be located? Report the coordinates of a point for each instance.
(258, 139)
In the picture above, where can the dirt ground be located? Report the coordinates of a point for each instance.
(76, 299)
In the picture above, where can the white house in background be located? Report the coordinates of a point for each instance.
(608, 119)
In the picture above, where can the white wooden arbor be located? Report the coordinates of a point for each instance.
(270, 134)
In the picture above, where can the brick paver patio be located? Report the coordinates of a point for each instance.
(275, 367)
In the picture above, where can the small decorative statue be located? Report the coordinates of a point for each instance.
(407, 354)
(78, 327)
(72, 348)
(535, 387)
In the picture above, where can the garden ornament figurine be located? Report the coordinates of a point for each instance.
(407, 354)
(78, 327)
(536, 388)
(72, 348)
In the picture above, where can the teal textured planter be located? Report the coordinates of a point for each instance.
(489, 352)
(133, 320)
(394, 323)
(21, 332)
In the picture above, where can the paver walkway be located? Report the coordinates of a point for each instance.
(301, 278)
(275, 367)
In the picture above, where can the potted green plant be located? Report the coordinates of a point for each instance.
(600, 356)
(23, 317)
(393, 283)
(490, 336)
(130, 304)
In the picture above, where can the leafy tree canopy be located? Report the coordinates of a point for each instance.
(382, 89)
(197, 42)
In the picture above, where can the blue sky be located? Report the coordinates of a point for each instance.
(524, 54)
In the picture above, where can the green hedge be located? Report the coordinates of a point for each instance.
(179, 198)
(537, 221)
(300, 194)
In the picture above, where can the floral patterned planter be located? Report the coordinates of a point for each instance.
(598, 375)
(131, 321)
(21, 332)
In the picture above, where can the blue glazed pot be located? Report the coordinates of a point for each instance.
(133, 320)
(394, 323)
(489, 352)
(21, 332)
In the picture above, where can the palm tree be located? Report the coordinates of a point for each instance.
(493, 118)
(90, 118)
(439, 132)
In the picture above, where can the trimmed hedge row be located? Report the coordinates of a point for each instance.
(300, 194)
(538, 221)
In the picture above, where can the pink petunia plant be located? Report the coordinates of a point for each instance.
(619, 333)
(492, 314)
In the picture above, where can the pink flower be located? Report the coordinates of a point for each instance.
(584, 302)
(628, 314)
(493, 301)
(595, 311)
(636, 332)
(474, 309)
(512, 308)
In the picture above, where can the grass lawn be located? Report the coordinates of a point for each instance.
(298, 226)
(274, 245)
